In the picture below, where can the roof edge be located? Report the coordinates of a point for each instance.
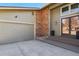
(46, 5)
(15, 7)
(25, 8)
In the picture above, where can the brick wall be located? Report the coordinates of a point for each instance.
(42, 22)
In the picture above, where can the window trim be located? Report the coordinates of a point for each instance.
(63, 7)
(66, 10)
(71, 7)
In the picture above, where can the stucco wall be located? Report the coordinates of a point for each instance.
(42, 22)
(55, 21)
(23, 16)
(14, 29)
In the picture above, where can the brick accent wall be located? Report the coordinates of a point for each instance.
(42, 22)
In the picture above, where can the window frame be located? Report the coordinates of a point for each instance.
(70, 11)
(63, 13)
(65, 10)
(73, 4)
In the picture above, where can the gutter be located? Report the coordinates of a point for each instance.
(26, 8)
(23, 8)
(18, 8)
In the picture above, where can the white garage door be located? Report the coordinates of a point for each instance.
(16, 26)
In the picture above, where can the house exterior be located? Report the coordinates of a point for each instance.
(18, 23)
(63, 19)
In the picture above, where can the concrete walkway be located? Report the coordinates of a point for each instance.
(34, 48)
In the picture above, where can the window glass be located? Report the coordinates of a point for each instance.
(65, 9)
(76, 5)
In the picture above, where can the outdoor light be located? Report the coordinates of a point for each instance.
(32, 13)
(16, 16)
(57, 21)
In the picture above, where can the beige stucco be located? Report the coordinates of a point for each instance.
(14, 29)
(55, 21)
(23, 16)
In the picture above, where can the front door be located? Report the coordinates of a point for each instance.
(69, 25)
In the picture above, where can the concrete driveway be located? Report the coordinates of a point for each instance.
(33, 48)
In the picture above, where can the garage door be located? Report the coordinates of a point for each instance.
(16, 26)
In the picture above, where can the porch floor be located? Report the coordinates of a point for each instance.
(66, 43)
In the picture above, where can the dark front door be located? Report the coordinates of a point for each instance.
(69, 25)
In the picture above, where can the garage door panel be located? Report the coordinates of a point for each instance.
(15, 32)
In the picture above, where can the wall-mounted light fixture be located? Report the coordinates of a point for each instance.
(15, 16)
(57, 21)
(32, 12)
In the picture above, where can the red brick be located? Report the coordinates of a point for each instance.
(42, 22)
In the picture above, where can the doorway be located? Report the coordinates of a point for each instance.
(69, 25)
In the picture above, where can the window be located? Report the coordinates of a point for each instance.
(69, 9)
(65, 9)
(74, 6)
